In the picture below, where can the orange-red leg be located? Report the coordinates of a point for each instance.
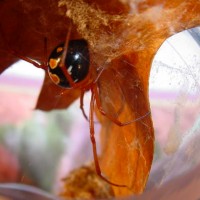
(94, 148)
(62, 63)
(45, 56)
(116, 121)
(38, 65)
(16, 54)
(82, 104)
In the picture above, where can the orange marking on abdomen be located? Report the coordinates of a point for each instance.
(59, 49)
(53, 63)
(54, 78)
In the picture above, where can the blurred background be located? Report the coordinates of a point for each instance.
(40, 148)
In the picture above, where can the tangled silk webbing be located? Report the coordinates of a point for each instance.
(95, 25)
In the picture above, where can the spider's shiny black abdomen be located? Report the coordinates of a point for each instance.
(77, 62)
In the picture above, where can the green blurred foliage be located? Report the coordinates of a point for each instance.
(39, 144)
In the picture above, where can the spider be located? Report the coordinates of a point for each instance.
(69, 67)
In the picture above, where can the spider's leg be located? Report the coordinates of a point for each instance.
(16, 54)
(45, 57)
(82, 104)
(116, 121)
(94, 148)
(29, 60)
(62, 62)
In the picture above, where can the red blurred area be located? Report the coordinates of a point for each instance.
(9, 166)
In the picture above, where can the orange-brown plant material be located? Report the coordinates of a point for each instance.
(126, 44)
(123, 37)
